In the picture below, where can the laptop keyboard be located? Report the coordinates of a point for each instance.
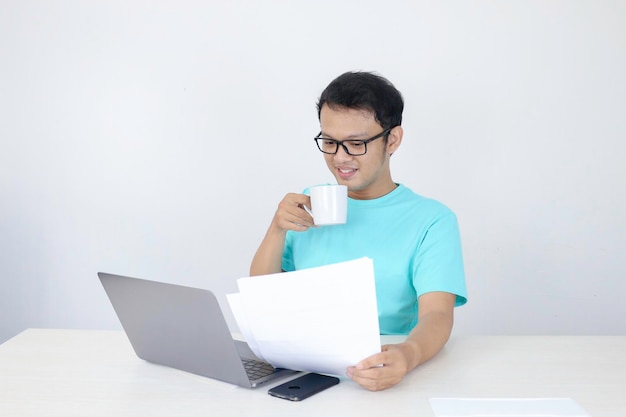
(257, 369)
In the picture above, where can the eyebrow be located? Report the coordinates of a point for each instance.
(357, 136)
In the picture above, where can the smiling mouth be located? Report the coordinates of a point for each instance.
(346, 172)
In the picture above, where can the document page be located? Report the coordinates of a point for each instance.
(321, 319)
(506, 407)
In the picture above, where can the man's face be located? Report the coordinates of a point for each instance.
(367, 176)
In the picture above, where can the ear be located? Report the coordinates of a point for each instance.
(394, 139)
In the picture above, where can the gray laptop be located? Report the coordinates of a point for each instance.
(183, 328)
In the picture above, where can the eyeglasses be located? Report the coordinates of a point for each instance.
(352, 147)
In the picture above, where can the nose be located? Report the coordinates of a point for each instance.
(342, 154)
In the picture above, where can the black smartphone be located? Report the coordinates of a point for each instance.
(303, 387)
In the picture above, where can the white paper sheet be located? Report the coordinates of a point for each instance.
(237, 308)
(506, 407)
(316, 320)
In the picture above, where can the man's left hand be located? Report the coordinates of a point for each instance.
(385, 369)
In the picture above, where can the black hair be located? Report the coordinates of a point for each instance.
(365, 91)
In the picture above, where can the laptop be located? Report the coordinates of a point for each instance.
(184, 328)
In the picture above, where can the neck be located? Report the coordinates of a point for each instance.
(370, 193)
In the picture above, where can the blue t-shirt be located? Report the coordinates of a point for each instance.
(414, 243)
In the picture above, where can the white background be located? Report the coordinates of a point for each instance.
(155, 139)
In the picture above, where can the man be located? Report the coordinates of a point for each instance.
(414, 241)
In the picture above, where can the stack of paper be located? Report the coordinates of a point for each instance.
(316, 320)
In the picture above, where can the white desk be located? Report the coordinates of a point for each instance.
(96, 373)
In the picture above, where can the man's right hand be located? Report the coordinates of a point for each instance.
(292, 215)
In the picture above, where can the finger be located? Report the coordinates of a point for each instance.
(297, 202)
(290, 221)
(291, 215)
(380, 373)
(299, 216)
(369, 373)
(374, 379)
(373, 361)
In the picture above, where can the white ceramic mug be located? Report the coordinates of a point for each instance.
(329, 204)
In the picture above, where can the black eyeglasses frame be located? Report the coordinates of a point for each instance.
(345, 148)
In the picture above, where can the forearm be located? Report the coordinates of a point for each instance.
(424, 341)
(428, 337)
(268, 258)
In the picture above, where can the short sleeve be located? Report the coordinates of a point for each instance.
(438, 264)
